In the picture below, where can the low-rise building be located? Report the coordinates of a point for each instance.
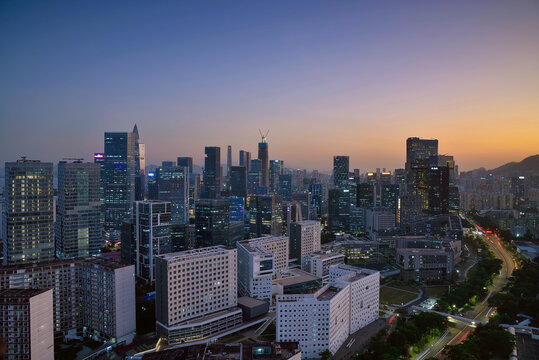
(425, 265)
(296, 281)
(318, 264)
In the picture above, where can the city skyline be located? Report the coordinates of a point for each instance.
(356, 78)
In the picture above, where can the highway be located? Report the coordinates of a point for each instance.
(460, 329)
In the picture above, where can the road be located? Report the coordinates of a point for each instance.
(460, 330)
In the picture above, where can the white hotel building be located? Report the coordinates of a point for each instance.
(325, 319)
(196, 293)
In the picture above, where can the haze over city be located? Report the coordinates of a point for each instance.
(354, 78)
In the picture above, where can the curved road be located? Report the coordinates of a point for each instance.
(480, 311)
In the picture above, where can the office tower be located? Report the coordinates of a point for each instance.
(340, 171)
(263, 156)
(140, 165)
(245, 159)
(93, 294)
(303, 199)
(318, 263)
(285, 187)
(255, 270)
(127, 241)
(421, 151)
(390, 195)
(173, 186)
(380, 219)
(400, 176)
(438, 190)
(265, 215)
(338, 210)
(153, 191)
(185, 162)
(78, 218)
(317, 199)
(353, 182)
(152, 235)
(238, 181)
(323, 320)
(212, 172)
(304, 239)
(356, 220)
(26, 324)
(212, 223)
(236, 209)
(196, 293)
(119, 168)
(276, 168)
(365, 195)
(99, 158)
(27, 226)
(228, 160)
(253, 182)
(277, 245)
(409, 209)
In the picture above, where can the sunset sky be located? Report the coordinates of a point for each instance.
(326, 77)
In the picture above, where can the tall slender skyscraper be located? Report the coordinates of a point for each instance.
(276, 168)
(263, 156)
(228, 161)
(212, 172)
(119, 173)
(78, 219)
(238, 181)
(341, 166)
(245, 159)
(27, 226)
(140, 166)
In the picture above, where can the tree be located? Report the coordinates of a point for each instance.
(326, 355)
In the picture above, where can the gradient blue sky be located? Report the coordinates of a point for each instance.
(348, 77)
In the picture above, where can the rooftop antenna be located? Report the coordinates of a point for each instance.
(264, 136)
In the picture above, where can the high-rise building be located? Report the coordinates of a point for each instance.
(438, 190)
(212, 172)
(245, 159)
(303, 200)
(323, 320)
(421, 151)
(212, 223)
(228, 160)
(263, 156)
(152, 234)
(304, 239)
(276, 168)
(285, 187)
(140, 165)
(238, 181)
(338, 210)
(91, 296)
(236, 209)
(26, 324)
(390, 195)
(185, 162)
(173, 186)
(317, 200)
(365, 195)
(99, 158)
(255, 270)
(276, 245)
(78, 217)
(341, 166)
(27, 226)
(119, 178)
(196, 293)
(265, 215)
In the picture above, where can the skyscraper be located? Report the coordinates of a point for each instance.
(238, 181)
(78, 225)
(184, 161)
(228, 160)
(27, 226)
(119, 176)
(276, 168)
(341, 165)
(212, 222)
(212, 172)
(265, 215)
(173, 186)
(419, 151)
(245, 159)
(263, 156)
(152, 236)
(338, 210)
(140, 166)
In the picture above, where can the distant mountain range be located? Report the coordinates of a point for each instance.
(528, 166)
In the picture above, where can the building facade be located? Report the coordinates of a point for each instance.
(304, 239)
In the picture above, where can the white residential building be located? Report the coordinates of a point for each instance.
(304, 239)
(323, 320)
(26, 324)
(277, 245)
(255, 270)
(319, 263)
(196, 293)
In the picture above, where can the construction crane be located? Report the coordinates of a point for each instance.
(264, 136)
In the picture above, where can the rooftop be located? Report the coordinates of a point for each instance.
(250, 302)
(294, 276)
(213, 250)
(328, 294)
